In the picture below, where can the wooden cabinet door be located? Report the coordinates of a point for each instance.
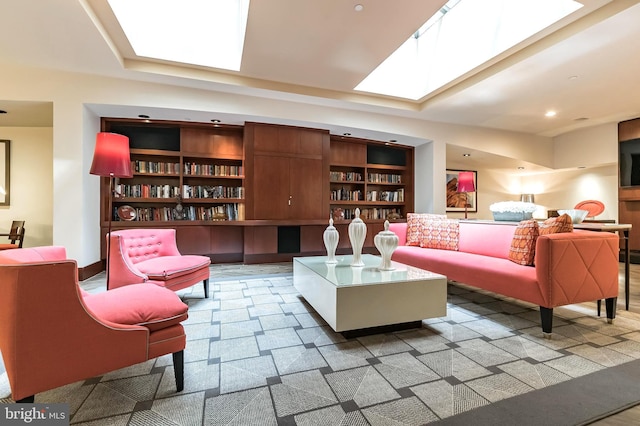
(271, 187)
(306, 180)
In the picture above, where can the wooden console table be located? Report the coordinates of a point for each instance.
(614, 227)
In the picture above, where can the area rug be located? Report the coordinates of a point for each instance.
(257, 354)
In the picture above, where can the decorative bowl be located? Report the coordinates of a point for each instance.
(577, 215)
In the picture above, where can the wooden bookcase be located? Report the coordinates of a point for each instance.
(372, 176)
(258, 192)
(200, 167)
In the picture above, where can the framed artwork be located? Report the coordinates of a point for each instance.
(5, 173)
(456, 200)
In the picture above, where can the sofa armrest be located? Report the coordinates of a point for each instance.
(577, 267)
(122, 271)
(400, 229)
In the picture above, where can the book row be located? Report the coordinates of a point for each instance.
(338, 213)
(168, 191)
(392, 196)
(229, 211)
(346, 176)
(384, 178)
(199, 191)
(212, 169)
(344, 194)
(139, 166)
(147, 191)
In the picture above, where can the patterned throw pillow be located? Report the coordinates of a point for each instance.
(415, 223)
(556, 225)
(523, 245)
(441, 234)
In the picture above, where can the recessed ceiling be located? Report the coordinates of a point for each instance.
(318, 51)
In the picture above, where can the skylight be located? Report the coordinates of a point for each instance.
(199, 32)
(462, 35)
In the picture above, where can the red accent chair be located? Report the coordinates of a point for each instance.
(53, 333)
(152, 256)
(15, 234)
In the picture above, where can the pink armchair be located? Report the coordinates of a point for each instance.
(53, 333)
(152, 256)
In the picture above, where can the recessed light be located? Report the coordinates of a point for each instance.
(520, 168)
(215, 120)
(358, 7)
(2, 111)
(582, 167)
(347, 134)
(466, 154)
(550, 114)
(143, 116)
(581, 119)
(573, 77)
(393, 140)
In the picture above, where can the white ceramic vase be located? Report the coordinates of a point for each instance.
(331, 237)
(357, 234)
(386, 242)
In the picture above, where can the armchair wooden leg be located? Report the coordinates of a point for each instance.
(27, 400)
(206, 288)
(178, 368)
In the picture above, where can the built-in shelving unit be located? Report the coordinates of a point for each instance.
(182, 172)
(257, 192)
(372, 176)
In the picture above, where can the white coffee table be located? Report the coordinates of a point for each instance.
(364, 299)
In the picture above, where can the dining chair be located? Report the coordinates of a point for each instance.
(16, 236)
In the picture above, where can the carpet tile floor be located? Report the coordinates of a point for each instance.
(258, 354)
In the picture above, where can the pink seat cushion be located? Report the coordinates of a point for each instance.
(168, 267)
(138, 304)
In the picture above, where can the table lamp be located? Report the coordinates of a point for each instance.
(111, 159)
(466, 184)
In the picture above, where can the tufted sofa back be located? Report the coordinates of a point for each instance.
(144, 244)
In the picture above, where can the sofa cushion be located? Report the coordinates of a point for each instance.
(415, 225)
(556, 225)
(523, 245)
(473, 238)
(441, 234)
(138, 304)
(168, 267)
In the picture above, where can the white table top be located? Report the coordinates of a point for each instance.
(343, 274)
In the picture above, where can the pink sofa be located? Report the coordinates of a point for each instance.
(574, 267)
(53, 333)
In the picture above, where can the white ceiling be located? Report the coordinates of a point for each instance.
(322, 49)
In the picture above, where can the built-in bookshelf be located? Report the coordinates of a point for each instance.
(181, 172)
(371, 176)
(254, 193)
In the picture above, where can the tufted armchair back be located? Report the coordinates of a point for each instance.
(144, 244)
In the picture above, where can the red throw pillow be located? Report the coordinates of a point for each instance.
(523, 245)
(415, 225)
(556, 225)
(441, 234)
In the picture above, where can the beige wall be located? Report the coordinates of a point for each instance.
(31, 183)
(559, 189)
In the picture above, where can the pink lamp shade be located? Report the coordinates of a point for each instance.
(465, 182)
(111, 156)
